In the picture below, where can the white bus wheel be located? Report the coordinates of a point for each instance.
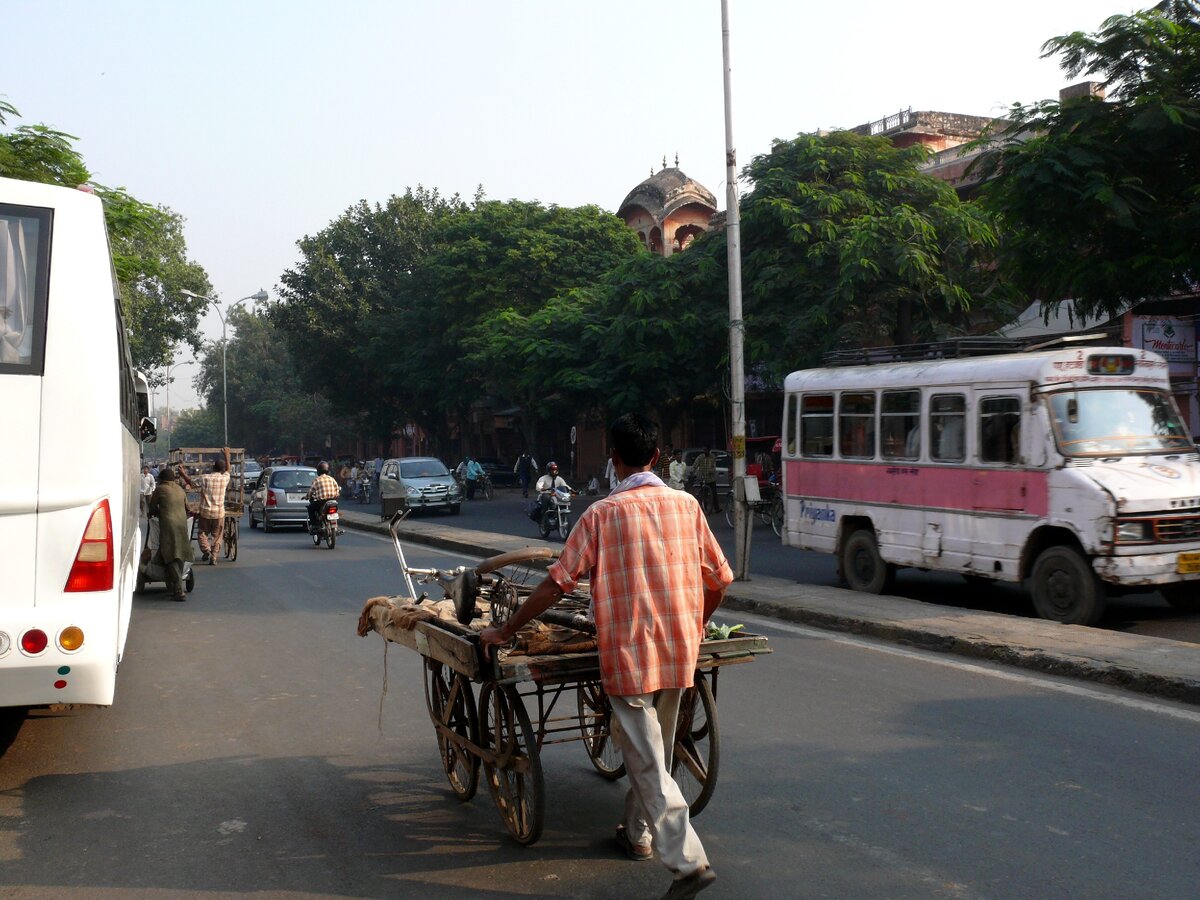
(1065, 589)
(863, 567)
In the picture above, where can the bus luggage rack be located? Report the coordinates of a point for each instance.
(961, 348)
(955, 348)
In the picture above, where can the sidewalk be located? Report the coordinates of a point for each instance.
(1145, 664)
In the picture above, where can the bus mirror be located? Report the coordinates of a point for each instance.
(149, 430)
(1072, 410)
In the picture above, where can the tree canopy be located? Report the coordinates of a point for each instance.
(1100, 197)
(846, 241)
(148, 248)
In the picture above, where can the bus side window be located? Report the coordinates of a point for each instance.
(791, 425)
(900, 425)
(947, 427)
(816, 425)
(856, 425)
(1000, 430)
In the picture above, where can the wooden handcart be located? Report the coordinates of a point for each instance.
(197, 461)
(481, 709)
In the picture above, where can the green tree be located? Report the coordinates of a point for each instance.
(351, 275)
(846, 241)
(1100, 198)
(148, 248)
(490, 268)
(269, 412)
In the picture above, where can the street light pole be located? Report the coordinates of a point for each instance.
(258, 296)
(170, 369)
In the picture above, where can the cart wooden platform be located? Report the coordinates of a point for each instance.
(481, 709)
(197, 461)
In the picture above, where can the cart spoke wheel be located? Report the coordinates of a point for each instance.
(231, 539)
(697, 750)
(451, 704)
(514, 774)
(595, 722)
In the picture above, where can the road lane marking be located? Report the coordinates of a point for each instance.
(1040, 681)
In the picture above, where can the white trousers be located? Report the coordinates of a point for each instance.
(655, 810)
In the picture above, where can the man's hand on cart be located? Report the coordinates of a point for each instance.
(544, 596)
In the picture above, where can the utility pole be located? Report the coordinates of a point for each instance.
(737, 380)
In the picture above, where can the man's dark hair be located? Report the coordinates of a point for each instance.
(322, 468)
(219, 466)
(635, 438)
(167, 474)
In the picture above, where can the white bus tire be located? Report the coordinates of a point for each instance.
(1064, 587)
(863, 567)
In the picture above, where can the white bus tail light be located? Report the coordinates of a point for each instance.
(93, 566)
(70, 638)
(34, 641)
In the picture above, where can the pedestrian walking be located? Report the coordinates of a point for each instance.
(212, 508)
(148, 485)
(657, 574)
(525, 469)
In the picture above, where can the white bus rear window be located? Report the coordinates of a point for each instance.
(816, 425)
(24, 269)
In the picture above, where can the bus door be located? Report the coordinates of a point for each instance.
(24, 267)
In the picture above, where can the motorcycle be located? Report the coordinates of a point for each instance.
(326, 526)
(364, 489)
(556, 516)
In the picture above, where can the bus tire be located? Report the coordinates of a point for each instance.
(1064, 587)
(863, 567)
(1184, 596)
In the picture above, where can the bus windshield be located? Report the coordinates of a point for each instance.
(1116, 422)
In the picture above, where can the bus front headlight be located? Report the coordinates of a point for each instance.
(1132, 531)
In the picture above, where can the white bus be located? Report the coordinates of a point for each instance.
(1069, 469)
(69, 535)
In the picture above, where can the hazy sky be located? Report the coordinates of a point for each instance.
(261, 121)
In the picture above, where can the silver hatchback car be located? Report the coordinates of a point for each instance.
(279, 497)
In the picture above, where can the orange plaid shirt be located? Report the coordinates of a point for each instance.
(650, 553)
(212, 494)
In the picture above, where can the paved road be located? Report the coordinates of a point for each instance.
(1146, 614)
(254, 749)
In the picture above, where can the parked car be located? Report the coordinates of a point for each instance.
(501, 475)
(251, 471)
(722, 459)
(279, 497)
(418, 482)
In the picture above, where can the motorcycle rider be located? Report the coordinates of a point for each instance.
(545, 487)
(324, 487)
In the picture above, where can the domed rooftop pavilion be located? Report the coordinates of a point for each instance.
(668, 203)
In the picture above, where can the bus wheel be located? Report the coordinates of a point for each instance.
(863, 567)
(1185, 596)
(1065, 589)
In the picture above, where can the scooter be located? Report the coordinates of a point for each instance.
(326, 526)
(557, 516)
(151, 567)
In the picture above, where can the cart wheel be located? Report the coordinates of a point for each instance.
(139, 585)
(451, 703)
(231, 538)
(697, 745)
(777, 514)
(729, 512)
(190, 581)
(514, 776)
(595, 722)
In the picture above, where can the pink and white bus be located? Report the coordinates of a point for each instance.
(1069, 469)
